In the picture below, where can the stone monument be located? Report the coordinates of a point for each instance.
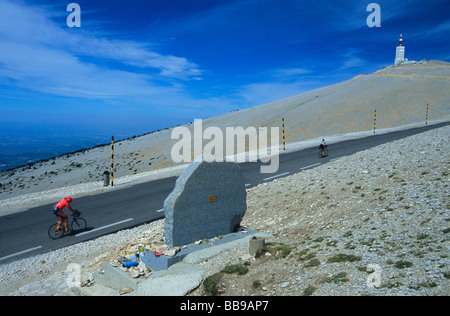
(209, 199)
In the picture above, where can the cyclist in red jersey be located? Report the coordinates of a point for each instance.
(58, 210)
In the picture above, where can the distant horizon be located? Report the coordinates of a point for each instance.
(22, 150)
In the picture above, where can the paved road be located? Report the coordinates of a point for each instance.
(25, 234)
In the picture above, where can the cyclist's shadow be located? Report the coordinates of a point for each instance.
(76, 231)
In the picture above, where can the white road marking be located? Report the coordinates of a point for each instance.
(310, 166)
(19, 253)
(103, 227)
(277, 176)
(337, 158)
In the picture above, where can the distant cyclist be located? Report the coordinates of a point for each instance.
(58, 210)
(323, 145)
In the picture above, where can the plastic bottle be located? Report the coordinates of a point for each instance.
(130, 264)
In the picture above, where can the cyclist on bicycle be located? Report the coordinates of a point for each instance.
(58, 210)
(323, 145)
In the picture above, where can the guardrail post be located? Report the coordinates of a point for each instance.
(374, 121)
(112, 161)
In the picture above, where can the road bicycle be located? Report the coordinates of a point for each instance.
(322, 153)
(76, 224)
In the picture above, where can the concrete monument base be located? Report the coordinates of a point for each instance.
(163, 262)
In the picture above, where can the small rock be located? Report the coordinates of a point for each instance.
(172, 252)
(125, 290)
(135, 272)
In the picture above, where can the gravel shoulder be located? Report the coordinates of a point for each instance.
(374, 223)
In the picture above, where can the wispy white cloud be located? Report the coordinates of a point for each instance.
(437, 32)
(351, 58)
(38, 54)
(139, 55)
(290, 72)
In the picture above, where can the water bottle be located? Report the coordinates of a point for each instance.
(130, 264)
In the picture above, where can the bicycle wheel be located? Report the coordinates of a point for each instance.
(55, 234)
(79, 225)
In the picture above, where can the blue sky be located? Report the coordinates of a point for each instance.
(137, 66)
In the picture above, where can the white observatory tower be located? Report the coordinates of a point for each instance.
(400, 52)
